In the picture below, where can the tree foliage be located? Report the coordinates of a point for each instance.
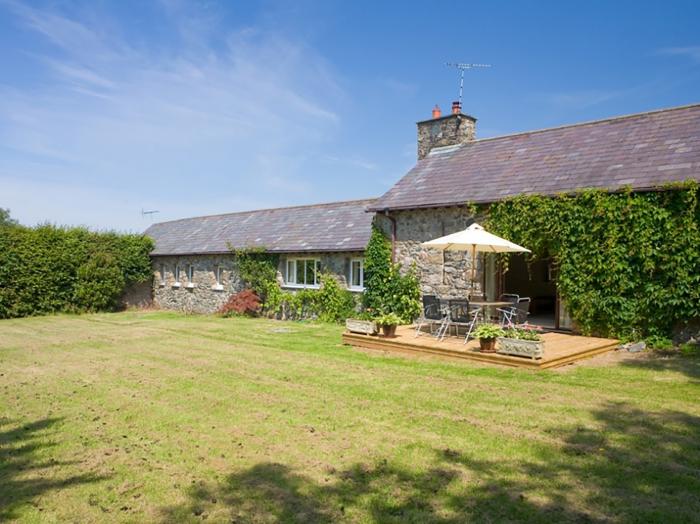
(5, 219)
(628, 263)
(48, 269)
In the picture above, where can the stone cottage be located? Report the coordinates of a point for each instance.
(641, 151)
(195, 270)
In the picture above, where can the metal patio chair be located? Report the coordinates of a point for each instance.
(461, 315)
(431, 314)
(510, 313)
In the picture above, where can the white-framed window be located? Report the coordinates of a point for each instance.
(177, 276)
(161, 274)
(303, 272)
(357, 274)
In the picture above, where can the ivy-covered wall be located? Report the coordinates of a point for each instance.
(628, 263)
(47, 269)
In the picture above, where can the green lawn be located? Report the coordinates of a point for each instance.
(162, 417)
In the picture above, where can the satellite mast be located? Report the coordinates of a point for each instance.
(149, 214)
(462, 68)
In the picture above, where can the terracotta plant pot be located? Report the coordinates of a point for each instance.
(488, 345)
(389, 331)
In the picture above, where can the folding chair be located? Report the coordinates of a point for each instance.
(431, 314)
(462, 315)
(507, 314)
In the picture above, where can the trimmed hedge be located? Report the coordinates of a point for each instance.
(49, 269)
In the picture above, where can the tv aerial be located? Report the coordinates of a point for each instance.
(462, 67)
(148, 213)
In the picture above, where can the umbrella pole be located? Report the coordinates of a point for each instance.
(471, 291)
(443, 266)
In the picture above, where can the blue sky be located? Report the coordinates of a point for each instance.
(189, 108)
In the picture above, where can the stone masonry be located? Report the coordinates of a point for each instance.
(444, 131)
(420, 225)
(203, 296)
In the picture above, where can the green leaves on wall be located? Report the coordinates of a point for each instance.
(628, 263)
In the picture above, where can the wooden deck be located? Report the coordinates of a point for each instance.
(559, 348)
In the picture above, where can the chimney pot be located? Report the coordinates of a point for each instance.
(437, 113)
(456, 108)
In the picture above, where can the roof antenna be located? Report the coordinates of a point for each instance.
(462, 68)
(149, 214)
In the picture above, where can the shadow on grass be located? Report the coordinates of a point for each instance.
(687, 365)
(626, 465)
(23, 477)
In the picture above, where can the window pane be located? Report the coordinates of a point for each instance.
(318, 272)
(355, 274)
(300, 271)
(310, 272)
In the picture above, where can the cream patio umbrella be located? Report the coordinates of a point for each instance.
(474, 239)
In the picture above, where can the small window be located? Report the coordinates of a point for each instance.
(161, 273)
(219, 275)
(303, 272)
(177, 274)
(357, 273)
(190, 273)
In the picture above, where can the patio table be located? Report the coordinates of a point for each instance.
(489, 305)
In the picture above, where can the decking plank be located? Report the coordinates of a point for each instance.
(559, 348)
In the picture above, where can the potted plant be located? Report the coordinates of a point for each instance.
(523, 341)
(388, 322)
(487, 335)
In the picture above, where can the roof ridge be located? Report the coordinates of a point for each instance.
(586, 123)
(322, 204)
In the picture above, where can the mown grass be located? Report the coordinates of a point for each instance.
(162, 417)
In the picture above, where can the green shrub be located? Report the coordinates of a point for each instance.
(48, 269)
(99, 284)
(690, 349)
(386, 289)
(659, 343)
(257, 269)
(388, 319)
(332, 303)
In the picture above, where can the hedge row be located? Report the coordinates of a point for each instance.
(48, 269)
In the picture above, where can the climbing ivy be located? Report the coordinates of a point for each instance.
(387, 290)
(258, 269)
(628, 263)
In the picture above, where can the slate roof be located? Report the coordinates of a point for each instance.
(338, 226)
(642, 151)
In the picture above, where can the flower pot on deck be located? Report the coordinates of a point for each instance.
(389, 330)
(488, 345)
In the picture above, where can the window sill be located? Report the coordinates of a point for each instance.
(301, 286)
(217, 287)
(177, 285)
(191, 286)
(356, 289)
(161, 284)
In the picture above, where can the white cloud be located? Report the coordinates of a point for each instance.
(691, 52)
(183, 127)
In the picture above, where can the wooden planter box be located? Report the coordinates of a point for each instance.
(521, 348)
(366, 327)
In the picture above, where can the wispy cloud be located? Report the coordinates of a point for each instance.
(583, 99)
(691, 52)
(178, 128)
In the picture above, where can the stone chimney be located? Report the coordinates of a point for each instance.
(449, 130)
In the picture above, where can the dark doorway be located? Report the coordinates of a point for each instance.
(535, 280)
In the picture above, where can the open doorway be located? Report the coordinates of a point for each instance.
(536, 281)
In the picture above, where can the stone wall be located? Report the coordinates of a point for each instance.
(420, 225)
(205, 297)
(445, 131)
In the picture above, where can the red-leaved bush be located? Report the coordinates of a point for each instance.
(245, 302)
